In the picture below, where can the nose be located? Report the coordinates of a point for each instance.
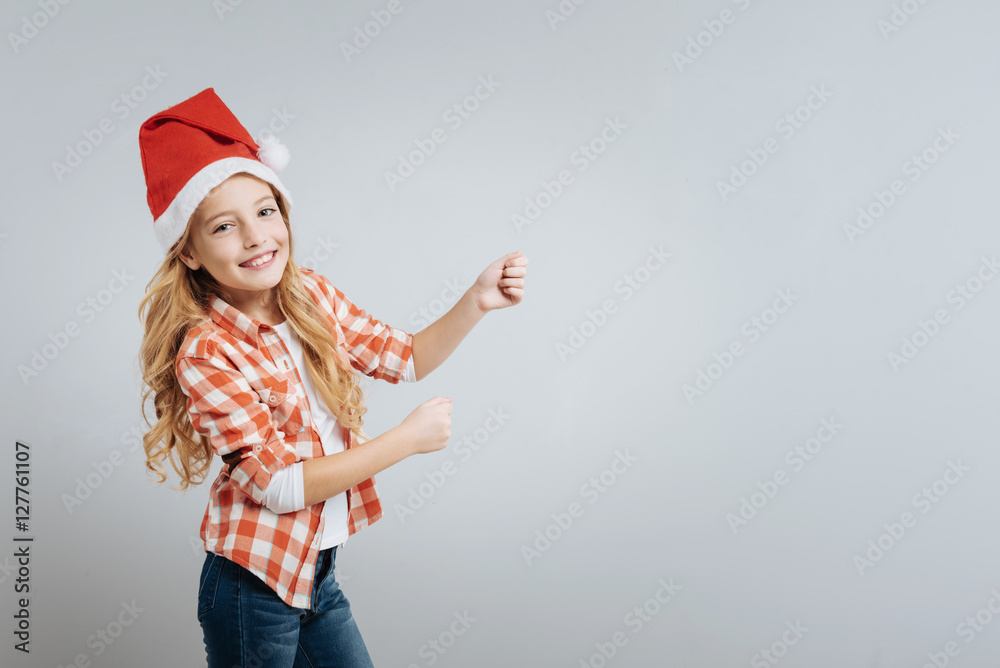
(253, 233)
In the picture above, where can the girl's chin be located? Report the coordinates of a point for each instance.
(257, 280)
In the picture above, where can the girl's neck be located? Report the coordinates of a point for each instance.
(274, 319)
(272, 316)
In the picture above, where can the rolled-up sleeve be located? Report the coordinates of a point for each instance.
(286, 493)
(410, 372)
(223, 407)
(375, 348)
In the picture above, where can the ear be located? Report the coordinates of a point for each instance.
(188, 258)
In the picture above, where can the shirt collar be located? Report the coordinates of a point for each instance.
(236, 322)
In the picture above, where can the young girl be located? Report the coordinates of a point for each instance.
(255, 359)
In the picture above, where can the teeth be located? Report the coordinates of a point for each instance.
(261, 260)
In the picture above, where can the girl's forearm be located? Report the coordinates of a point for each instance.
(433, 344)
(327, 476)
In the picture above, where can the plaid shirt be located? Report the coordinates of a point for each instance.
(244, 394)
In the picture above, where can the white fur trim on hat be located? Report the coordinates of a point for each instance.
(170, 226)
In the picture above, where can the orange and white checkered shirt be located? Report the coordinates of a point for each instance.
(245, 395)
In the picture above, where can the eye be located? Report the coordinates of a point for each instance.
(221, 226)
(267, 209)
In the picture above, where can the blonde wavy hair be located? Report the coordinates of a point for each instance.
(176, 300)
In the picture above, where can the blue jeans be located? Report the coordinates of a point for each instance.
(246, 624)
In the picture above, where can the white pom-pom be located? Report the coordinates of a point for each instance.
(273, 153)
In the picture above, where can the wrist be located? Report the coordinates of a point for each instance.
(473, 304)
(398, 442)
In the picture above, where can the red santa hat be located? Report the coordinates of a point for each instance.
(191, 148)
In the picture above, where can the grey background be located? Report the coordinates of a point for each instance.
(656, 185)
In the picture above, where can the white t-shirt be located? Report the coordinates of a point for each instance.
(286, 491)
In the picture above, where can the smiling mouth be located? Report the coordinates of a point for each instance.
(263, 259)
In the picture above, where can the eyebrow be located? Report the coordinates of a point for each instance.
(225, 213)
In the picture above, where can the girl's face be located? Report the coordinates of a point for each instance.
(236, 226)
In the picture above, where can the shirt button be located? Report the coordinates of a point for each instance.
(272, 399)
(258, 448)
